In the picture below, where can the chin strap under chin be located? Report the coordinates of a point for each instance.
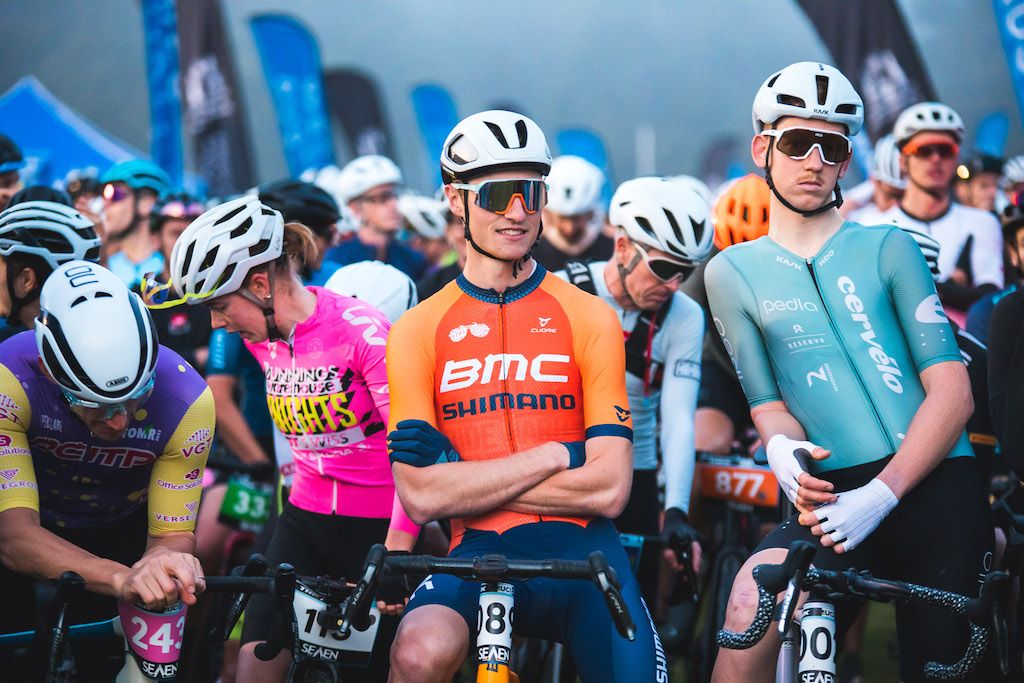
(267, 306)
(517, 264)
(834, 204)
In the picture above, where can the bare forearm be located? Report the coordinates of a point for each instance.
(466, 489)
(29, 549)
(599, 488)
(936, 426)
(774, 418)
(179, 542)
(231, 424)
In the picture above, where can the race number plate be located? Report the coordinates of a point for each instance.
(322, 643)
(747, 485)
(154, 638)
(246, 504)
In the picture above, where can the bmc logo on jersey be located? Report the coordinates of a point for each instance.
(460, 374)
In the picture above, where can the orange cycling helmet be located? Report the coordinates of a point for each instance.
(741, 213)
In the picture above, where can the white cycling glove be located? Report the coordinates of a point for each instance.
(785, 464)
(857, 513)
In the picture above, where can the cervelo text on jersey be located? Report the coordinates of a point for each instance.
(841, 337)
(467, 360)
(328, 394)
(75, 480)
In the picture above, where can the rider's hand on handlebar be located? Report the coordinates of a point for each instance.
(393, 590)
(420, 444)
(161, 578)
(676, 526)
(802, 489)
(847, 522)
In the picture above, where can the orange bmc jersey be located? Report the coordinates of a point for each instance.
(502, 373)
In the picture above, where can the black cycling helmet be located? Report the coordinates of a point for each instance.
(978, 164)
(1012, 216)
(302, 202)
(11, 158)
(40, 193)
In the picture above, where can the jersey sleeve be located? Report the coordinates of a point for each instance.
(372, 358)
(601, 358)
(176, 482)
(987, 252)
(916, 302)
(410, 369)
(225, 349)
(734, 315)
(680, 387)
(18, 488)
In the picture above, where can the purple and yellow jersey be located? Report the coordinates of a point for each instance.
(50, 462)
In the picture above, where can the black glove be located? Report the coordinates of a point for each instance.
(393, 589)
(679, 536)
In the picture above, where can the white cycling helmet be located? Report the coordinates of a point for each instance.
(1013, 171)
(326, 179)
(365, 173)
(885, 167)
(695, 184)
(383, 286)
(215, 253)
(927, 116)
(95, 337)
(809, 90)
(663, 214)
(54, 232)
(494, 140)
(574, 186)
(929, 247)
(425, 215)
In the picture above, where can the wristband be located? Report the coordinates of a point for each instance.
(577, 453)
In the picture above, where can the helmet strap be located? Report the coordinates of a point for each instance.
(624, 271)
(517, 264)
(266, 305)
(834, 204)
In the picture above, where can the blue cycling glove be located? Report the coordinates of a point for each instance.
(420, 444)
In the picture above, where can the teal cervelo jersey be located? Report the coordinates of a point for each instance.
(841, 338)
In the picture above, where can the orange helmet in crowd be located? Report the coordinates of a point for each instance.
(741, 213)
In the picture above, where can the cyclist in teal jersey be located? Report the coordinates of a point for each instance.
(841, 345)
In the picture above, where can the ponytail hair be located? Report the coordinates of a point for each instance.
(299, 253)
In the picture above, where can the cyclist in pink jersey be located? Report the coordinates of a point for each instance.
(323, 357)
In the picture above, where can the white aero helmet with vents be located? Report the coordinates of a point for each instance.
(95, 337)
(809, 90)
(664, 214)
(425, 215)
(1013, 171)
(927, 116)
(54, 232)
(215, 253)
(885, 167)
(383, 286)
(574, 186)
(364, 173)
(491, 141)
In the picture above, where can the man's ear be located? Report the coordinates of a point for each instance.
(759, 150)
(845, 166)
(455, 204)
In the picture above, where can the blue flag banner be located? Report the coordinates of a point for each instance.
(1010, 19)
(291, 66)
(161, 34)
(585, 143)
(991, 133)
(436, 116)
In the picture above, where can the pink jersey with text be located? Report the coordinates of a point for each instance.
(327, 390)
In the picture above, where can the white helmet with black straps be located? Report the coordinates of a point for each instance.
(364, 173)
(927, 116)
(217, 250)
(56, 233)
(491, 141)
(425, 215)
(95, 337)
(574, 186)
(666, 215)
(383, 286)
(809, 90)
(885, 167)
